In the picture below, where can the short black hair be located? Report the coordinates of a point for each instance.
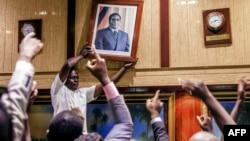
(114, 14)
(65, 126)
(73, 68)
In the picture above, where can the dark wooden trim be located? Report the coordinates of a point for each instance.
(139, 93)
(71, 29)
(164, 26)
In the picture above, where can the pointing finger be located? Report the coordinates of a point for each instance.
(97, 56)
(156, 97)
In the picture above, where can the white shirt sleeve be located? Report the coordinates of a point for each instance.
(17, 98)
(56, 85)
(90, 94)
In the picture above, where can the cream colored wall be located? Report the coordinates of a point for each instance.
(186, 28)
(188, 55)
(189, 58)
(53, 36)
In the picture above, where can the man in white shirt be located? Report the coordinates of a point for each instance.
(65, 94)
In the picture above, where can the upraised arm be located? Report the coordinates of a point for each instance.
(19, 87)
(116, 77)
(123, 127)
(154, 106)
(71, 62)
(200, 90)
(242, 85)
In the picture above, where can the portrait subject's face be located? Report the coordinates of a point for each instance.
(115, 21)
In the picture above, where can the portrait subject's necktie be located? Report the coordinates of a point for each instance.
(115, 35)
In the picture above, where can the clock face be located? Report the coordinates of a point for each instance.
(215, 21)
(27, 28)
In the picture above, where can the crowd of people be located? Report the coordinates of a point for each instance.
(69, 101)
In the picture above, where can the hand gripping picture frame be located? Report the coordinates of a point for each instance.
(115, 17)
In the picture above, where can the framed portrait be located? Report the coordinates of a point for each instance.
(27, 26)
(114, 28)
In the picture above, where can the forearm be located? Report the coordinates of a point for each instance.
(123, 127)
(236, 110)
(17, 100)
(115, 78)
(219, 113)
(71, 62)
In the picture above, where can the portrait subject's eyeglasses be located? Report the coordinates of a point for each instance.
(114, 19)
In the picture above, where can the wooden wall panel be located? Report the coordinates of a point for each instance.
(187, 52)
(54, 16)
(186, 34)
(149, 40)
(2, 36)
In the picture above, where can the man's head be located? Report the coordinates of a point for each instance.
(72, 80)
(114, 20)
(65, 126)
(203, 136)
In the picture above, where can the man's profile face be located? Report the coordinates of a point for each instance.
(72, 80)
(115, 21)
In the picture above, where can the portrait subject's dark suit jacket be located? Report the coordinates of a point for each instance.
(105, 40)
(160, 133)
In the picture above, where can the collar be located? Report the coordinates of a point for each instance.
(112, 29)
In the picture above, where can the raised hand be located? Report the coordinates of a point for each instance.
(242, 86)
(86, 50)
(205, 121)
(196, 87)
(29, 47)
(154, 105)
(98, 68)
(130, 64)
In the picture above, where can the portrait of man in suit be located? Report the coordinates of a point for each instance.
(115, 30)
(112, 37)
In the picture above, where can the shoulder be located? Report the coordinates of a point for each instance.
(103, 30)
(123, 32)
(85, 89)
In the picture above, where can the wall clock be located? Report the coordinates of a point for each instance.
(217, 28)
(215, 21)
(27, 26)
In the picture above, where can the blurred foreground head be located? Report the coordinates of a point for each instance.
(203, 136)
(65, 126)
